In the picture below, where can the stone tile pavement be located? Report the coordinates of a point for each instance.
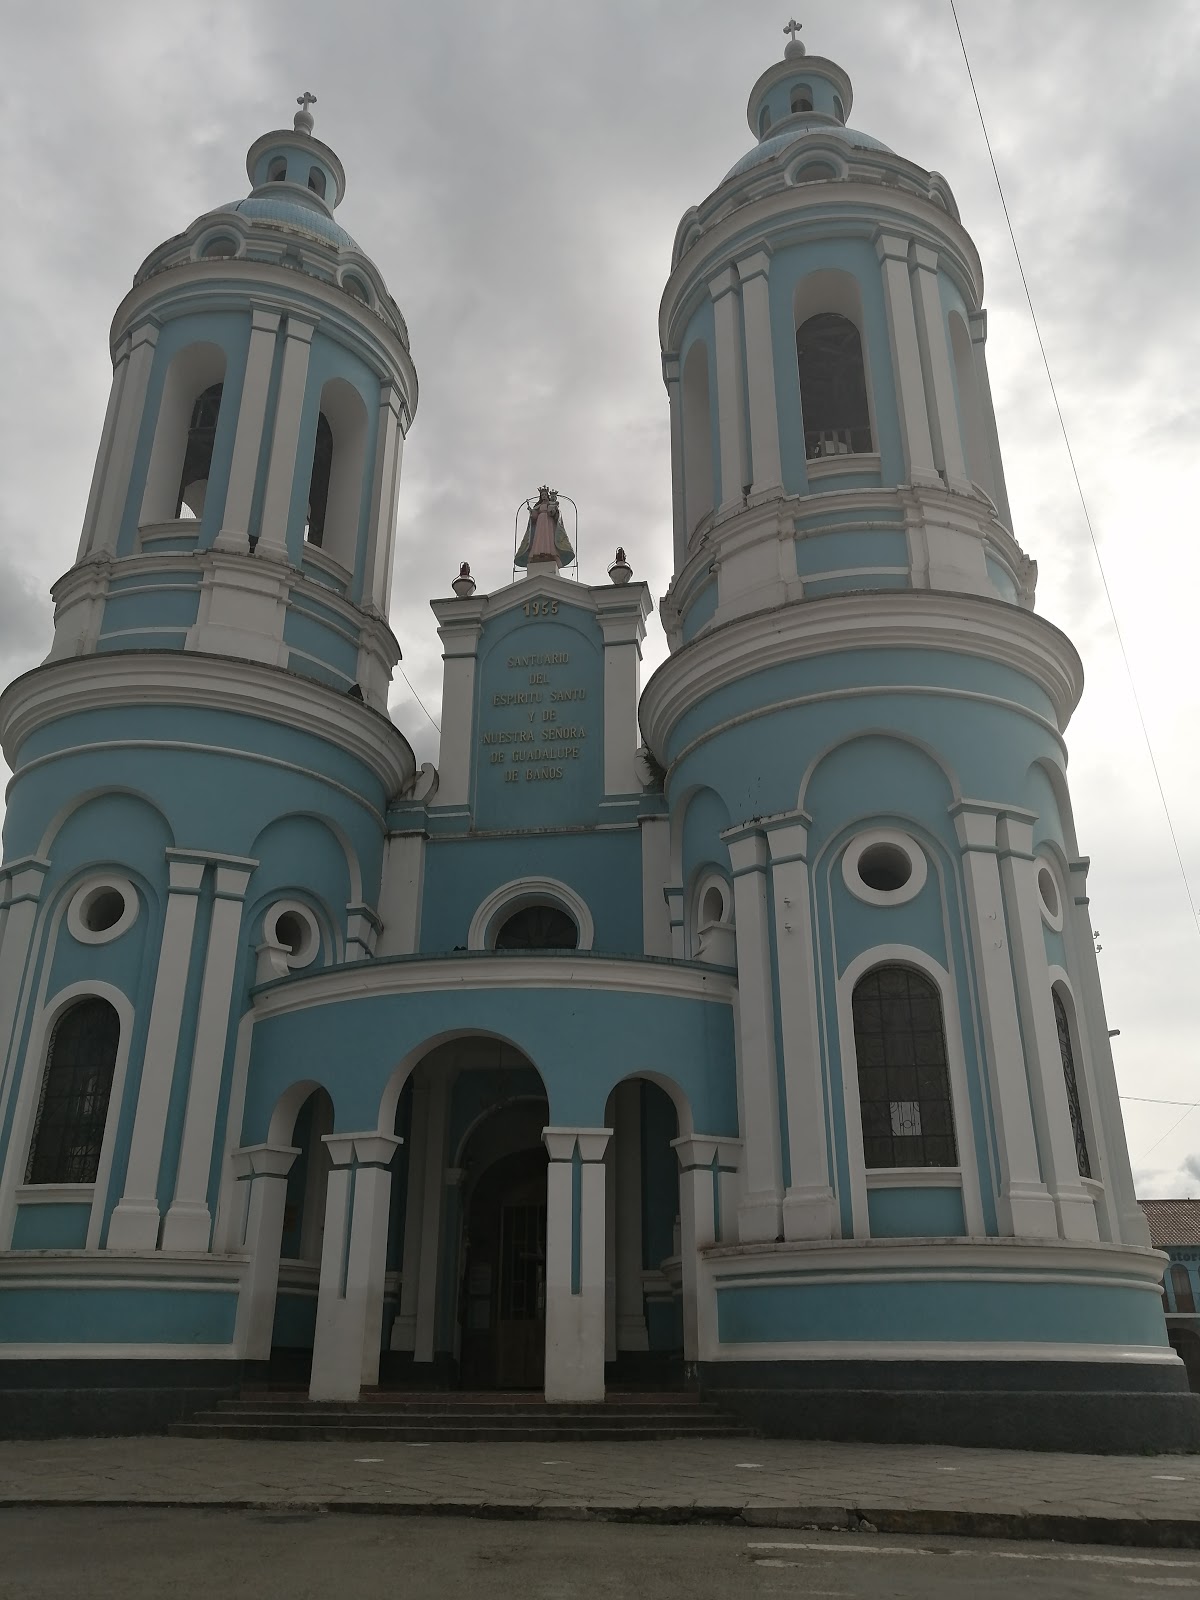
(1148, 1500)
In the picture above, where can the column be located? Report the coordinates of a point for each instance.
(708, 1170)
(730, 415)
(906, 359)
(622, 617)
(575, 1263)
(262, 1170)
(400, 896)
(134, 1223)
(23, 890)
(1048, 1090)
(767, 471)
(433, 1160)
(385, 482)
(247, 444)
(759, 1214)
(353, 1264)
(1024, 1206)
(404, 1327)
(679, 529)
(460, 623)
(130, 412)
(998, 488)
(1092, 1022)
(936, 364)
(809, 1210)
(285, 442)
(627, 1159)
(188, 1224)
(104, 453)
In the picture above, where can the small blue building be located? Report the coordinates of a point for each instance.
(742, 1031)
(1175, 1230)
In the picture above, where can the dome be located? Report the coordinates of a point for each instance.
(775, 144)
(284, 211)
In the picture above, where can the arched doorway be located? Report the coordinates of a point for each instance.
(502, 1306)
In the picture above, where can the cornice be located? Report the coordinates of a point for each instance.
(497, 970)
(991, 630)
(603, 600)
(117, 680)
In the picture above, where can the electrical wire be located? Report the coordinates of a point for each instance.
(1168, 1133)
(1078, 483)
(417, 697)
(1142, 1100)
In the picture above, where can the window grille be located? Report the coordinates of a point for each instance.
(903, 1072)
(523, 1263)
(1066, 1051)
(833, 387)
(538, 928)
(69, 1129)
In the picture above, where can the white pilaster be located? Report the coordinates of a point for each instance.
(23, 889)
(1092, 1022)
(809, 1210)
(673, 895)
(385, 484)
(621, 613)
(997, 488)
(126, 431)
(353, 1263)
(188, 1223)
(248, 440)
(707, 1206)
(263, 1170)
(906, 359)
(575, 1263)
(134, 1223)
(400, 899)
(104, 453)
(763, 403)
(1047, 1084)
(730, 415)
(759, 1214)
(627, 1174)
(460, 623)
(434, 1160)
(656, 866)
(679, 528)
(945, 432)
(404, 1327)
(1024, 1206)
(285, 441)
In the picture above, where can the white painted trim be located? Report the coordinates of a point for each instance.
(54, 1194)
(308, 951)
(101, 683)
(95, 884)
(914, 1178)
(935, 1350)
(519, 892)
(809, 1280)
(904, 842)
(912, 1255)
(1053, 919)
(119, 1352)
(504, 970)
(132, 1269)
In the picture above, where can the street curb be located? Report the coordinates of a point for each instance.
(1066, 1527)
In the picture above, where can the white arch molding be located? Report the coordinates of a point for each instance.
(511, 897)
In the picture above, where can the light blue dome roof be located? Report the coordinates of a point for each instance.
(282, 211)
(776, 143)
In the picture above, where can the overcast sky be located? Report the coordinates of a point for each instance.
(517, 168)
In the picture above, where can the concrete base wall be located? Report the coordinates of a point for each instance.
(87, 1399)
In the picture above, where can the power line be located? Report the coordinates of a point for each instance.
(1168, 1133)
(417, 697)
(1075, 472)
(1142, 1100)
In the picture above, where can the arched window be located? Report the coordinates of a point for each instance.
(698, 486)
(801, 98)
(316, 181)
(839, 110)
(764, 122)
(903, 1072)
(69, 1129)
(198, 453)
(277, 171)
(833, 387)
(318, 484)
(538, 928)
(1066, 1050)
(1181, 1289)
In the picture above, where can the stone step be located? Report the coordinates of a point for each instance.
(215, 1426)
(470, 1419)
(538, 1412)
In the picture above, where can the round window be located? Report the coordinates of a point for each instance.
(102, 910)
(1049, 898)
(712, 907)
(884, 867)
(291, 924)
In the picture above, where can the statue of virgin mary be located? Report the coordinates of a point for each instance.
(545, 537)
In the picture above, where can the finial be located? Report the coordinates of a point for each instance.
(303, 122)
(619, 569)
(464, 584)
(793, 48)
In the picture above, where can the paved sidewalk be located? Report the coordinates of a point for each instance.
(1145, 1500)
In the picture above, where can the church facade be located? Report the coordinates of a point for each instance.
(742, 1031)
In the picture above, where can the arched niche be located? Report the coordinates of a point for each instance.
(337, 479)
(823, 304)
(195, 372)
(696, 395)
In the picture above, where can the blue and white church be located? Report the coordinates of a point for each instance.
(741, 1032)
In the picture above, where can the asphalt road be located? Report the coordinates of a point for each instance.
(83, 1553)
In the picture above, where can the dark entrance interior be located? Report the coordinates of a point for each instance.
(502, 1303)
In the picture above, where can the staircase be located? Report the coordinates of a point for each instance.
(383, 1416)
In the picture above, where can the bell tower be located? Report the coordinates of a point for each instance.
(244, 495)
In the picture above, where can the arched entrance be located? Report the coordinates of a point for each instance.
(502, 1305)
